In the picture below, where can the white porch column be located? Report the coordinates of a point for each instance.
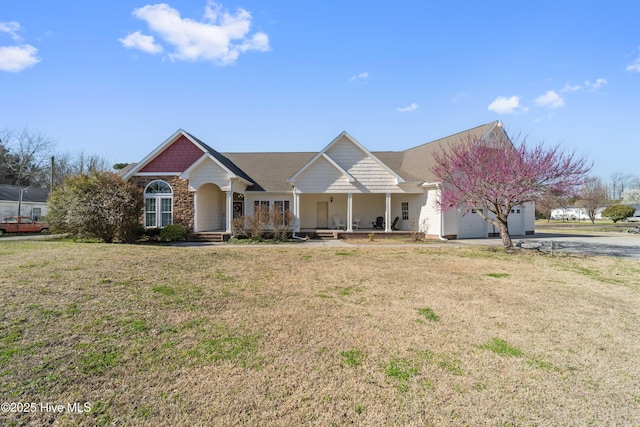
(349, 212)
(195, 212)
(229, 209)
(387, 213)
(296, 210)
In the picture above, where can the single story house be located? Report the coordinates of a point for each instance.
(25, 201)
(573, 213)
(343, 186)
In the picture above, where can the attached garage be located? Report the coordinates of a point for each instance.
(471, 225)
(516, 221)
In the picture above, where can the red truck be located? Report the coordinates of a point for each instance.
(22, 224)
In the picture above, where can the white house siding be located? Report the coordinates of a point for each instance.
(308, 209)
(450, 222)
(209, 209)
(10, 208)
(429, 216)
(515, 222)
(369, 174)
(368, 207)
(323, 177)
(529, 217)
(415, 202)
(208, 172)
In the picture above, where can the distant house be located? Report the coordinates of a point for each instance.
(20, 200)
(343, 186)
(573, 213)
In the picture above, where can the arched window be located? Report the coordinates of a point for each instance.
(158, 204)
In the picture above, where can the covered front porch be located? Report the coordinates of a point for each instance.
(215, 208)
(356, 212)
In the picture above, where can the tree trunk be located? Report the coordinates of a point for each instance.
(504, 233)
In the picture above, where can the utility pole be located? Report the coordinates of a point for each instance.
(52, 169)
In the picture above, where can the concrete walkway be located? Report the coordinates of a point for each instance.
(624, 245)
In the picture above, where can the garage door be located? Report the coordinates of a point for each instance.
(516, 221)
(471, 225)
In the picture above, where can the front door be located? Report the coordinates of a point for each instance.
(323, 215)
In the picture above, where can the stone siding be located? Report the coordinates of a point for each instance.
(183, 199)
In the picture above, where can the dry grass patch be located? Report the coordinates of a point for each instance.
(291, 335)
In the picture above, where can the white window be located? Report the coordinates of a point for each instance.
(158, 204)
(405, 210)
(36, 213)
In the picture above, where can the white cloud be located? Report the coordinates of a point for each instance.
(459, 97)
(504, 105)
(12, 29)
(635, 65)
(16, 58)
(568, 88)
(550, 99)
(361, 76)
(598, 83)
(219, 37)
(142, 42)
(409, 108)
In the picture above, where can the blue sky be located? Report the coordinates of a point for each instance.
(117, 78)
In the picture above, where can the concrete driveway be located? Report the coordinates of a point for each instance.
(623, 245)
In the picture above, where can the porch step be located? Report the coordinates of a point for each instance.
(326, 234)
(208, 236)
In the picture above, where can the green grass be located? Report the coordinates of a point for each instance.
(352, 358)
(401, 369)
(164, 290)
(428, 314)
(498, 275)
(501, 347)
(98, 362)
(279, 335)
(222, 343)
(451, 365)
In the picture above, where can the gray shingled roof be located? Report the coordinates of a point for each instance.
(270, 171)
(224, 160)
(31, 194)
(418, 160)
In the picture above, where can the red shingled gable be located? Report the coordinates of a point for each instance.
(175, 158)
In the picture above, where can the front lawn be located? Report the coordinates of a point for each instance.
(292, 335)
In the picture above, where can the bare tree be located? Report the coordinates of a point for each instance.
(26, 157)
(618, 183)
(549, 202)
(593, 196)
(67, 164)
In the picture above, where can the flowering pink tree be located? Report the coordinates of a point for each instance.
(493, 176)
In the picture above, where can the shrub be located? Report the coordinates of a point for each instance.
(173, 233)
(263, 223)
(100, 205)
(618, 212)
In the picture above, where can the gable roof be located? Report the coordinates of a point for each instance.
(336, 140)
(30, 194)
(418, 161)
(221, 160)
(276, 171)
